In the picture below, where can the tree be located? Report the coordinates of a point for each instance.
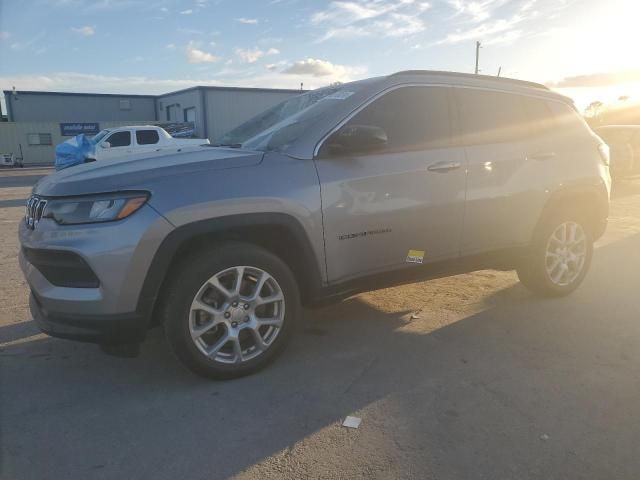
(593, 110)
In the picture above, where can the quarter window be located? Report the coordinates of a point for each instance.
(120, 139)
(414, 118)
(147, 137)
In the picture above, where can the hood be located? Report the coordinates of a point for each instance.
(141, 173)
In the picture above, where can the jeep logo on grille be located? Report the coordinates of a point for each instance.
(35, 209)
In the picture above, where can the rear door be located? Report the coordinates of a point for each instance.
(402, 203)
(147, 140)
(500, 182)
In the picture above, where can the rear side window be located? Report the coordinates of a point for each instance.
(491, 117)
(147, 137)
(539, 115)
(120, 139)
(414, 118)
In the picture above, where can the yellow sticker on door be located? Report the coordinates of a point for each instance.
(415, 256)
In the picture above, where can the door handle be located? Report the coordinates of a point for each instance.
(443, 167)
(542, 156)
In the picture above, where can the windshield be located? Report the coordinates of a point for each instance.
(99, 136)
(277, 127)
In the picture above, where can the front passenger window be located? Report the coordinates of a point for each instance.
(414, 118)
(120, 139)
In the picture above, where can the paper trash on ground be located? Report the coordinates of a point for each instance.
(351, 422)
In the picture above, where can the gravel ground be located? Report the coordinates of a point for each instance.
(464, 377)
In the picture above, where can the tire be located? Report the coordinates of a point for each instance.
(535, 271)
(195, 302)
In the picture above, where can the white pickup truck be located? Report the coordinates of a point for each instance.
(127, 141)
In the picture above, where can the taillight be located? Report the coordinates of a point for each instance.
(603, 150)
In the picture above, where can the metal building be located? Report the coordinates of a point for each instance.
(26, 106)
(216, 110)
(37, 121)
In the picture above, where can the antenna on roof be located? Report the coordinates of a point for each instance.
(15, 93)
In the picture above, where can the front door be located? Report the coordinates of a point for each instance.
(402, 203)
(120, 146)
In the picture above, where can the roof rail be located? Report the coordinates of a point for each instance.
(523, 83)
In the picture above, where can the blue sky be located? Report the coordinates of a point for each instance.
(153, 46)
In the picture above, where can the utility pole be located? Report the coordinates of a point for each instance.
(477, 56)
(499, 70)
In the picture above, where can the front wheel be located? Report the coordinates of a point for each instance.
(231, 310)
(559, 257)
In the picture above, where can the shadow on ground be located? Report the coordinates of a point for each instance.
(526, 388)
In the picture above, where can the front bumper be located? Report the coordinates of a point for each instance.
(103, 329)
(65, 303)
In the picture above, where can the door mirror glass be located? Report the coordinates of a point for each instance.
(105, 145)
(357, 139)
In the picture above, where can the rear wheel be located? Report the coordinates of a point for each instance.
(559, 257)
(231, 311)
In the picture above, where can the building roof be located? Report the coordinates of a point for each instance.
(38, 92)
(238, 89)
(197, 87)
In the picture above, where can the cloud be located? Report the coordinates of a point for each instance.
(170, 46)
(252, 55)
(604, 79)
(4, 35)
(247, 21)
(190, 31)
(359, 18)
(164, 9)
(85, 31)
(195, 55)
(274, 67)
(186, 12)
(321, 68)
(31, 44)
(476, 10)
(485, 32)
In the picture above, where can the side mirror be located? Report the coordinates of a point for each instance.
(357, 139)
(105, 145)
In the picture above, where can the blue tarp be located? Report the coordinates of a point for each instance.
(74, 151)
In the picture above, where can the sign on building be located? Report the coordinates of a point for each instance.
(73, 129)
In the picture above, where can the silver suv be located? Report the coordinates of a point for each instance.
(348, 188)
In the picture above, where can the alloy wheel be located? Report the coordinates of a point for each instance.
(237, 314)
(566, 253)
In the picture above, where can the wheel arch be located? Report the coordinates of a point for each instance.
(278, 233)
(591, 202)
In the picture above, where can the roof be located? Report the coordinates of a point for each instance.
(470, 76)
(617, 127)
(36, 92)
(121, 95)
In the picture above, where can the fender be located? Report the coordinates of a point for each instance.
(165, 254)
(596, 203)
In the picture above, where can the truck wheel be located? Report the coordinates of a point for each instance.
(230, 310)
(558, 258)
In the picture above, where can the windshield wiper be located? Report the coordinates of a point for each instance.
(228, 145)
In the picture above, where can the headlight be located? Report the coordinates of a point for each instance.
(93, 209)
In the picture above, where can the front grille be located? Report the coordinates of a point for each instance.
(35, 209)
